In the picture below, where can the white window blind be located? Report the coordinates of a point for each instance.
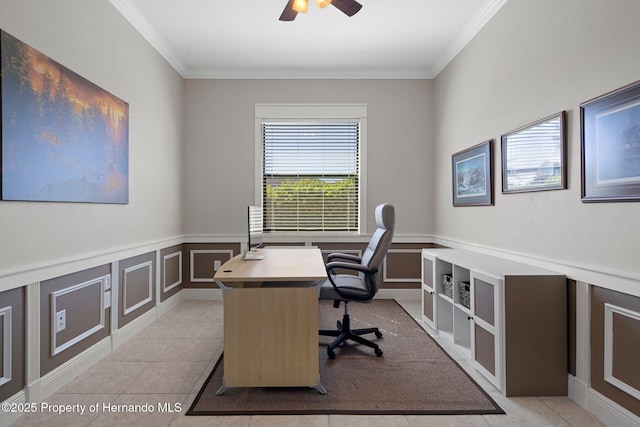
(310, 176)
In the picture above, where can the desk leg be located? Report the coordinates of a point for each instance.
(320, 387)
(223, 388)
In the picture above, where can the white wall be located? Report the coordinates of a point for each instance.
(536, 58)
(219, 153)
(94, 40)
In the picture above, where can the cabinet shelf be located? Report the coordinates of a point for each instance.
(462, 308)
(483, 295)
(446, 298)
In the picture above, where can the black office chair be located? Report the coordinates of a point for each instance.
(361, 287)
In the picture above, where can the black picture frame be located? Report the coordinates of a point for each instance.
(610, 146)
(472, 175)
(534, 156)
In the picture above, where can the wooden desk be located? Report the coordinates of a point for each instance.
(271, 319)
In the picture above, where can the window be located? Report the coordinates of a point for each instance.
(310, 174)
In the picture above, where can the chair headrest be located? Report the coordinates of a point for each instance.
(385, 216)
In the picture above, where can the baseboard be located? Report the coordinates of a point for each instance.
(121, 335)
(7, 417)
(610, 412)
(201, 293)
(165, 306)
(578, 391)
(62, 375)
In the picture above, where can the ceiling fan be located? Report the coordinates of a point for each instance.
(348, 7)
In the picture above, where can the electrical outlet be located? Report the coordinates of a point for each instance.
(61, 320)
(216, 264)
(107, 299)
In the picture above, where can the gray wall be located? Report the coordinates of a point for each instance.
(536, 58)
(94, 40)
(220, 146)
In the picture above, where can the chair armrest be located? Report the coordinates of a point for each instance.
(347, 257)
(350, 266)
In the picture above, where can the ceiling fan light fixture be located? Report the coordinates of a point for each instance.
(323, 3)
(301, 6)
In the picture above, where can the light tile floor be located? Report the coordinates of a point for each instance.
(167, 363)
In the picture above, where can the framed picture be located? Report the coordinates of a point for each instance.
(534, 156)
(610, 142)
(64, 139)
(472, 175)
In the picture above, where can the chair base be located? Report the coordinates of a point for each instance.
(344, 333)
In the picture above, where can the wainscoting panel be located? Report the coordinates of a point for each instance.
(202, 260)
(401, 267)
(136, 294)
(137, 287)
(12, 339)
(622, 348)
(82, 307)
(572, 323)
(615, 334)
(170, 271)
(7, 341)
(81, 296)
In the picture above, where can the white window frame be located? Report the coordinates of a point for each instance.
(317, 112)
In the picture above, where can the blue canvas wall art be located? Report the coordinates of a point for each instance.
(63, 138)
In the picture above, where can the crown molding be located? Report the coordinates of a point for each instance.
(478, 22)
(140, 24)
(308, 73)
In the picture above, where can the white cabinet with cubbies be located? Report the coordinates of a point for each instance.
(508, 318)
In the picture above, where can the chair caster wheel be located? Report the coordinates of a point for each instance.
(339, 324)
(378, 352)
(331, 354)
(378, 334)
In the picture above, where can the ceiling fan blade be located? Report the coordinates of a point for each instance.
(288, 14)
(348, 7)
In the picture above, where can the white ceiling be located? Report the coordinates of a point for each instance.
(245, 39)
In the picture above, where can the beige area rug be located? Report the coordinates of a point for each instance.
(414, 376)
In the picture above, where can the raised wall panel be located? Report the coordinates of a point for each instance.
(172, 267)
(79, 294)
(202, 263)
(199, 265)
(12, 340)
(6, 340)
(572, 323)
(622, 348)
(620, 383)
(83, 305)
(137, 287)
(171, 271)
(402, 266)
(136, 294)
